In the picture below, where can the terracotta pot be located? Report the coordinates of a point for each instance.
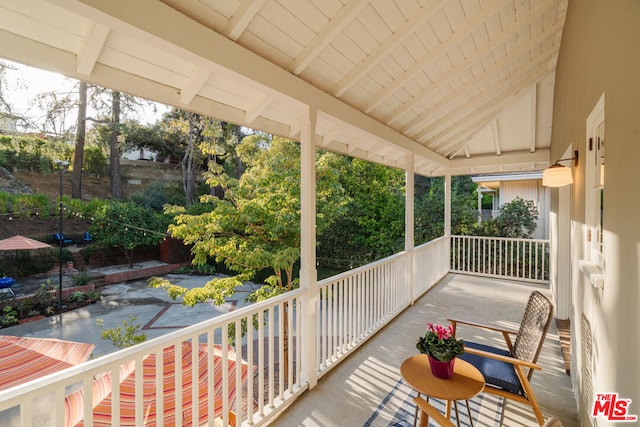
(443, 370)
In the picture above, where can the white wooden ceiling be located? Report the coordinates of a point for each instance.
(465, 85)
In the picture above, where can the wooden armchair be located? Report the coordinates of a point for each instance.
(440, 419)
(508, 372)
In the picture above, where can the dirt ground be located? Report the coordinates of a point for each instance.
(92, 187)
(50, 185)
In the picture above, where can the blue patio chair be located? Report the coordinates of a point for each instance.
(87, 238)
(5, 285)
(60, 238)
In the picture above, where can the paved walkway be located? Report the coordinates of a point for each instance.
(155, 311)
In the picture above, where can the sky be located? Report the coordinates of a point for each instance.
(25, 83)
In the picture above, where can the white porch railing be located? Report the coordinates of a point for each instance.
(267, 389)
(349, 309)
(353, 305)
(515, 259)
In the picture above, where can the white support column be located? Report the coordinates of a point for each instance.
(409, 221)
(447, 205)
(447, 217)
(479, 205)
(308, 273)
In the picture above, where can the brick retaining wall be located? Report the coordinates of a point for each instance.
(134, 274)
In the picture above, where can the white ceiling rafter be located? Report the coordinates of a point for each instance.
(442, 49)
(328, 33)
(523, 159)
(477, 81)
(475, 124)
(455, 96)
(92, 45)
(388, 46)
(194, 83)
(295, 127)
(257, 108)
(495, 133)
(331, 136)
(497, 93)
(242, 16)
(533, 108)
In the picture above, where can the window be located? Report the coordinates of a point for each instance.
(594, 184)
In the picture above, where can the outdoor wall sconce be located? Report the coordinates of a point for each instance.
(558, 175)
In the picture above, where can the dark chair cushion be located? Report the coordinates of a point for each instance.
(496, 372)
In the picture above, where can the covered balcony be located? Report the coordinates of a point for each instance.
(348, 338)
(436, 88)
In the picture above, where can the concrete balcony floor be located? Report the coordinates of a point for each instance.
(353, 390)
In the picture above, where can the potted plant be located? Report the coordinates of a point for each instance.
(442, 348)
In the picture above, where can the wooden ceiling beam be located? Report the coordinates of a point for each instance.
(388, 46)
(194, 83)
(329, 32)
(498, 92)
(495, 132)
(242, 17)
(478, 80)
(469, 125)
(92, 45)
(491, 9)
(533, 117)
(258, 107)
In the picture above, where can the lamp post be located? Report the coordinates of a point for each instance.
(62, 165)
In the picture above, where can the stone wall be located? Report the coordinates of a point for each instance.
(136, 174)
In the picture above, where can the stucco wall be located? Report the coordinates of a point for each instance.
(600, 53)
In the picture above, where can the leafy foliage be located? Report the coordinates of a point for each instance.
(256, 225)
(95, 160)
(123, 336)
(32, 153)
(517, 219)
(157, 194)
(439, 343)
(429, 207)
(126, 225)
(373, 224)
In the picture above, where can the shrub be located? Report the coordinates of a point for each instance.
(94, 161)
(78, 296)
(123, 336)
(5, 200)
(9, 317)
(81, 279)
(157, 194)
(46, 296)
(26, 263)
(28, 205)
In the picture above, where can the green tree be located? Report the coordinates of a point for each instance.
(78, 155)
(189, 136)
(256, 225)
(125, 225)
(429, 207)
(516, 219)
(373, 226)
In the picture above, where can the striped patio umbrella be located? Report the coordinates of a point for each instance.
(152, 398)
(25, 359)
(18, 242)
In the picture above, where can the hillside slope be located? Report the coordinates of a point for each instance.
(42, 229)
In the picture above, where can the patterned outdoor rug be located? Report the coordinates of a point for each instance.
(397, 409)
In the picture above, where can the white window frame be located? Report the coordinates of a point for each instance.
(594, 185)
